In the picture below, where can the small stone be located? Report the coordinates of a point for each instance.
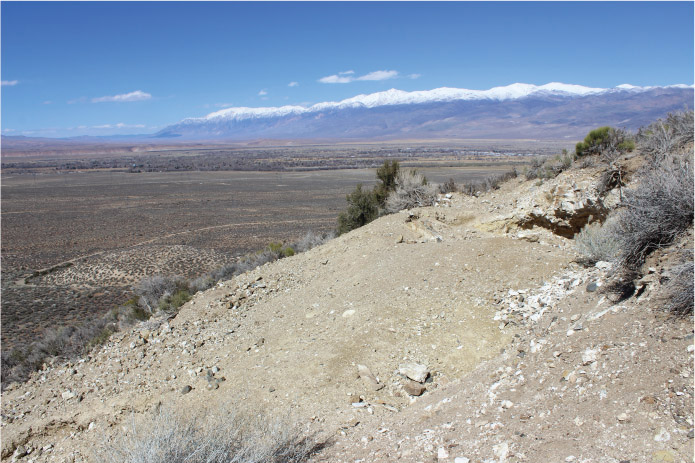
(570, 458)
(462, 460)
(691, 348)
(67, 395)
(212, 386)
(19, 452)
(662, 436)
(506, 404)
(501, 451)
(589, 356)
(348, 313)
(442, 453)
(399, 239)
(623, 417)
(186, 389)
(413, 388)
(414, 371)
(591, 287)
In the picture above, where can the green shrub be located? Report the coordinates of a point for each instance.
(174, 301)
(594, 142)
(363, 208)
(606, 141)
(386, 174)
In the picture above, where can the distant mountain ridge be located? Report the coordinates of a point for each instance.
(553, 110)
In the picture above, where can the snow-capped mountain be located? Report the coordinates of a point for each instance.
(553, 110)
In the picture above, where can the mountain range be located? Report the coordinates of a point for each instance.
(550, 111)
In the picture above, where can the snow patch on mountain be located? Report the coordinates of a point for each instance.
(399, 97)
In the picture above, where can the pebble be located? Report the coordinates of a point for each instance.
(507, 404)
(662, 436)
(413, 388)
(623, 417)
(462, 460)
(442, 453)
(186, 389)
(589, 356)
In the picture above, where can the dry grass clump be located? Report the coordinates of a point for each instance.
(222, 437)
(412, 190)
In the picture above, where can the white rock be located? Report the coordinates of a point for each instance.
(67, 395)
(507, 404)
(589, 356)
(442, 453)
(414, 371)
(348, 313)
(662, 436)
(462, 460)
(501, 451)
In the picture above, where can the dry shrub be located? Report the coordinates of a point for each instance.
(311, 240)
(222, 437)
(490, 183)
(412, 190)
(598, 242)
(657, 211)
(151, 290)
(678, 291)
(666, 136)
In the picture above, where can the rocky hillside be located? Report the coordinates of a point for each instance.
(462, 332)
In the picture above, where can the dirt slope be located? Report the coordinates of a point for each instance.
(436, 287)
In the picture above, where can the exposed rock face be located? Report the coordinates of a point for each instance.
(563, 208)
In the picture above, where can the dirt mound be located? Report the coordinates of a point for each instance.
(446, 333)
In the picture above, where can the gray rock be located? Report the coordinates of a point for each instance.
(591, 287)
(414, 371)
(186, 389)
(413, 388)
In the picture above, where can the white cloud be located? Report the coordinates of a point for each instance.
(137, 95)
(8, 130)
(222, 105)
(48, 102)
(379, 75)
(262, 93)
(336, 79)
(9, 83)
(346, 77)
(414, 76)
(293, 84)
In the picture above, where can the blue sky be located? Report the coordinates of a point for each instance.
(76, 68)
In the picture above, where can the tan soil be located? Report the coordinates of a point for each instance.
(430, 286)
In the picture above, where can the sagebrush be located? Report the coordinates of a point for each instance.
(412, 190)
(222, 436)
